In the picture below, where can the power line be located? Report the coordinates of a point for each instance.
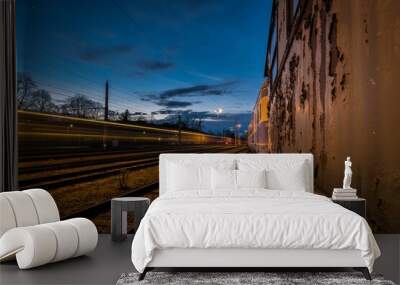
(73, 92)
(96, 83)
(67, 96)
(93, 82)
(113, 94)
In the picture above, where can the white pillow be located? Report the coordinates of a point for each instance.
(251, 178)
(184, 178)
(291, 178)
(280, 174)
(193, 174)
(223, 179)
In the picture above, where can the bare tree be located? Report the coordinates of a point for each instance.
(41, 101)
(141, 118)
(199, 125)
(81, 106)
(113, 115)
(125, 116)
(25, 87)
(138, 116)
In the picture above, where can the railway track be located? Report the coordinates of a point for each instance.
(93, 211)
(61, 180)
(91, 159)
(68, 153)
(58, 175)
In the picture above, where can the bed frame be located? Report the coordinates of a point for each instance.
(250, 259)
(237, 259)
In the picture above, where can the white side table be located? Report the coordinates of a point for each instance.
(119, 213)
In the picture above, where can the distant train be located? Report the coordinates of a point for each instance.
(41, 130)
(257, 138)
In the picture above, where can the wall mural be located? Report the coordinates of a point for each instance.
(332, 89)
(105, 86)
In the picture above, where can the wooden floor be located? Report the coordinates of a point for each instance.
(111, 259)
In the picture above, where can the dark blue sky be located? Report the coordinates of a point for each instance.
(158, 55)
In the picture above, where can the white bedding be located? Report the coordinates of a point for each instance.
(250, 218)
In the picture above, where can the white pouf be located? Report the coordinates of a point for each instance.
(31, 230)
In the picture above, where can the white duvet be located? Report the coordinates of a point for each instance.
(250, 219)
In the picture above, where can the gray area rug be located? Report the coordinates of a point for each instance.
(225, 278)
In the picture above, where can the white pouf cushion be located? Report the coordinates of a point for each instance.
(22, 207)
(37, 245)
(32, 246)
(31, 231)
(87, 235)
(7, 219)
(67, 240)
(46, 208)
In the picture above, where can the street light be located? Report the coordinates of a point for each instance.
(219, 111)
(238, 126)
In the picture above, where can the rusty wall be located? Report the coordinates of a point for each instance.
(339, 96)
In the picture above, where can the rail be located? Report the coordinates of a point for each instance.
(92, 211)
(95, 169)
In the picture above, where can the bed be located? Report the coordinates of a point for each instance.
(247, 211)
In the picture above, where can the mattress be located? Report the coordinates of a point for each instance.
(250, 219)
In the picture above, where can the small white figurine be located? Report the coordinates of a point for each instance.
(347, 174)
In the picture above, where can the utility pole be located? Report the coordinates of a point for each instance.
(179, 129)
(105, 116)
(106, 103)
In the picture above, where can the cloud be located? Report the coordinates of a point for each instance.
(205, 115)
(211, 122)
(164, 112)
(136, 73)
(138, 114)
(173, 104)
(154, 65)
(199, 90)
(101, 53)
(147, 66)
(166, 98)
(149, 97)
(172, 115)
